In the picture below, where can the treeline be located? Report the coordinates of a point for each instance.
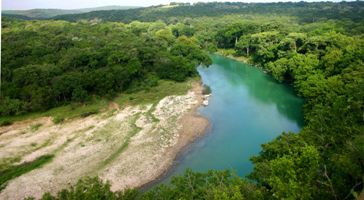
(48, 13)
(222, 185)
(324, 62)
(326, 160)
(306, 12)
(51, 63)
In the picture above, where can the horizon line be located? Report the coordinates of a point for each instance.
(136, 6)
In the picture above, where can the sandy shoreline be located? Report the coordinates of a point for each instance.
(130, 148)
(194, 126)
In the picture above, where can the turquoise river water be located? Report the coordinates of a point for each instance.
(247, 108)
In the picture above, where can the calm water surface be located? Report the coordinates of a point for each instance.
(247, 108)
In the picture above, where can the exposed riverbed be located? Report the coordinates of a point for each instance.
(129, 147)
(134, 145)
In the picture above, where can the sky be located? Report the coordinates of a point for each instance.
(75, 4)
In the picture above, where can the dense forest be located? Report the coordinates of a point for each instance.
(317, 48)
(307, 12)
(47, 63)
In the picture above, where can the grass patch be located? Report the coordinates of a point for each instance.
(8, 120)
(155, 94)
(6, 163)
(70, 139)
(44, 144)
(104, 133)
(57, 119)
(77, 110)
(61, 113)
(74, 110)
(5, 123)
(226, 52)
(230, 53)
(35, 127)
(18, 170)
(88, 113)
(115, 154)
(150, 113)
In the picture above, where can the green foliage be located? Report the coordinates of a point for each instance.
(323, 61)
(210, 185)
(10, 106)
(49, 64)
(57, 120)
(154, 94)
(47, 13)
(88, 113)
(61, 113)
(12, 172)
(318, 48)
(35, 127)
(90, 188)
(191, 185)
(350, 160)
(5, 123)
(288, 166)
(318, 64)
(305, 11)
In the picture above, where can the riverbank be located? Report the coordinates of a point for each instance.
(128, 147)
(193, 125)
(230, 53)
(245, 111)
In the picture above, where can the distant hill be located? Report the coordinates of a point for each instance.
(48, 13)
(14, 16)
(305, 11)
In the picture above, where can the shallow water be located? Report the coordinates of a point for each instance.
(247, 108)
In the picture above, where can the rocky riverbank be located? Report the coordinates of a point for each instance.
(128, 147)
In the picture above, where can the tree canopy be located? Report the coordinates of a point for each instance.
(317, 48)
(50, 63)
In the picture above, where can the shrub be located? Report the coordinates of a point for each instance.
(6, 123)
(206, 90)
(93, 189)
(57, 119)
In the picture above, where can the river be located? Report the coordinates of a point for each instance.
(247, 108)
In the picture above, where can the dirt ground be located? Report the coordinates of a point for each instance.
(129, 147)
